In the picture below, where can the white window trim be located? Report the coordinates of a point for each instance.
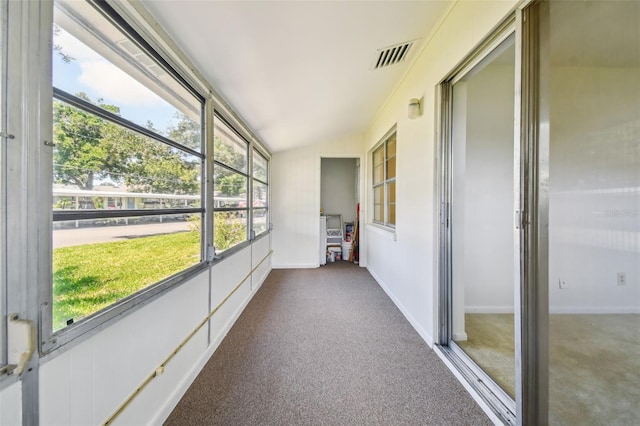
(391, 227)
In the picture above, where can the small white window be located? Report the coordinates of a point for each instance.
(384, 181)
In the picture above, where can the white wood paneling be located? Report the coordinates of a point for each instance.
(11, 405)
(172, 382)
(88, 382)
(260, 249)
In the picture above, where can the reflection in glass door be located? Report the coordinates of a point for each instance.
(481, 233)
(591, 82)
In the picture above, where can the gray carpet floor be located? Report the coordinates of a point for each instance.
(324, 346)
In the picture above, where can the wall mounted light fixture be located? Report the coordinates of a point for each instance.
(415, 108)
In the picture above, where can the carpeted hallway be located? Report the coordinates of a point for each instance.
(325, 346)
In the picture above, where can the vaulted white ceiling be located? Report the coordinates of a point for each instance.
(298, 72)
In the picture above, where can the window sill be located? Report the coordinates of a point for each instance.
(383, 230)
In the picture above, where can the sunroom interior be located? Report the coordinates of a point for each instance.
(161, 159)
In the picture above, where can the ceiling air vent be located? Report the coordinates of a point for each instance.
(391, 55)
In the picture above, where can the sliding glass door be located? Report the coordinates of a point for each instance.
(540, 215)
(481, 214)
(479, 196)
(590, 92)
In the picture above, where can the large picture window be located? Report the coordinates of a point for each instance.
(127, 166)
(384, 181)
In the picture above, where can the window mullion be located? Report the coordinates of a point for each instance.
(207, 187)
(385, 210)
(250, 230)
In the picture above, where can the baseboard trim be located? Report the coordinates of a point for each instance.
(557, 310)
(594, 310)
(488, 309)
(182, 387)
(460, 337)
(296, 266)
(427, 337)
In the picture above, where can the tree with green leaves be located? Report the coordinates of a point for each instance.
(225, 181)
(187, 132)
(90, 148)
(80, 155)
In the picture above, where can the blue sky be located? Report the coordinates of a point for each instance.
(98, 78)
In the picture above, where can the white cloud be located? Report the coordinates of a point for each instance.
(102, 77)
(114, 85)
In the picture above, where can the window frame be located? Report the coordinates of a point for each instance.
(246, 211)
(89, 325)
(3, 187)
(386, 180)
(265, 182)
(503, 406)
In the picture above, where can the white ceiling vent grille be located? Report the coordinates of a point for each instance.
(391, 55)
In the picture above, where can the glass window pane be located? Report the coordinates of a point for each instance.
(259, 194)
(378, 213)
(378, 194)
(229, 149)
(229, 229)
(378, 174)
(482, 202)
(391, 146)
(98, 262)
(259, 166)
(100, 165)
(259, 221)
(104, 66)
(391, 168)
(392, 214)
(230, 187)
(593, 102)
(392, 192)
(378, 156)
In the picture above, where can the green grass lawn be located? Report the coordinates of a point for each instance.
(90, 277)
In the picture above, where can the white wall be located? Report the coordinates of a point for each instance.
(338, 187)
(482, 193)
(87, 383)
(405, 264)
(594, 217)
(483, 259)
(295, 202)
(11, 405)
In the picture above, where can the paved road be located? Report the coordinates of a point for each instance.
(103, 234)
